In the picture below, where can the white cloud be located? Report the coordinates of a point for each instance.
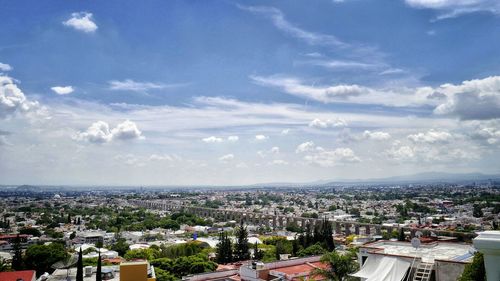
(278, 162)
(13, 100)
(431, 136)
(233, 138)
(328, 123)
(330, 158)
(131, 85)
(401, 153)
(275, 150)
(376, 135)
(100, 132)
(162, 157)
(226, 158)
(82, 22)
(212, 139)
(285, 132)
(261, 137)
(305, 147)
(343, 64)
(62, 90)
(472, 100)
(5, 67)
(279, 21)
(454, 8)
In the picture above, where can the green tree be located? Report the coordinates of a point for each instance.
(30, 231)
(120, 246)
(477, 212)
(312, 250)
(241, 251)
(17, 259)
(257, 253)
(339, 266)
(79, 266)
(98, 275)
(163, 275)
(224, 252)
(280, 249)
(401, 235)
(474, 271)
(42, 257)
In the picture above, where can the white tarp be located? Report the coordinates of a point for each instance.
(383, 269)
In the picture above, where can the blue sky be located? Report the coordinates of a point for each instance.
(239, 92)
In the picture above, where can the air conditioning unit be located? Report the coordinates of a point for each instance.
(88, 271)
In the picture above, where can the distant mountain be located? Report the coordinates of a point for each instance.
(425, 178)
(28, 188)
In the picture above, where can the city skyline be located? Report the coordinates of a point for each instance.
(244, 92)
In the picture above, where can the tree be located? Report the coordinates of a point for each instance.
(401, 235)
(339, 266)
(241, 251)
(224, 253)
(17, 259)
(474, 271)
(257, 253)
(30, 231)
(42, 257)
(312, 250)
(280, 249)
(79, 266)
(477, 212)
(98, 275)
(72, 235)
(121, 246)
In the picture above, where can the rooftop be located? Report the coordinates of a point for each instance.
(26, 275)
(431, 251)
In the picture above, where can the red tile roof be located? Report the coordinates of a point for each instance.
(26, 275)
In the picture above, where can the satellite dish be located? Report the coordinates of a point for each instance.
(415, 242)
(66, 264)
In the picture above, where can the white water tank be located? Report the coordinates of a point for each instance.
(87, 271)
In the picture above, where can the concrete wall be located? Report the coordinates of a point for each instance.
(448, 271)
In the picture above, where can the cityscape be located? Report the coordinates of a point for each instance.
(260, 140)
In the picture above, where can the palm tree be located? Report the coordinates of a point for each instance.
(339, 266)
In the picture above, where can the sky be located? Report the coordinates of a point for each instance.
(243, 92)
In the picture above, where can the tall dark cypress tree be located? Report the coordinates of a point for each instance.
(98, 274)
(17, 259)
(241, 251)
(224, 252)
(328, 235)
(79, 266)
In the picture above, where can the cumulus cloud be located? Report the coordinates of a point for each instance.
(305, 147)
(13, 101)
(5, 67)
(212, 139)
(488, 131)
(82, 22)
(62, 90)
(472, 100)
(226, 158)
(327, 123)
(431, 136)
(278, 162)
(376, 135)
(233, 138)
(261, 137)
(100, 132)
(285, 132)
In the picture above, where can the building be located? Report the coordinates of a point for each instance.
(126, 271)
(293, 270)
(22, 275)
(394, 261)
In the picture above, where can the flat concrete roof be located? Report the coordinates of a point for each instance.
(429, 251)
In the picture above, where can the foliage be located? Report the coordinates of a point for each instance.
(474, 271)
(312, 250)
(163, 275)
(339, 266)
(224, 253)
(186, 249)
(120, 246)
(79, 266)
(17, 259)
(30, 231)
(257, 253)
(147, 254)
(241, 249)
(184, 265)
(42, 257)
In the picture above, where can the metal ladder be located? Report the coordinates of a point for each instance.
(423, 272)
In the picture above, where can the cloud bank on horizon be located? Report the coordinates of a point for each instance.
(264, 94)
